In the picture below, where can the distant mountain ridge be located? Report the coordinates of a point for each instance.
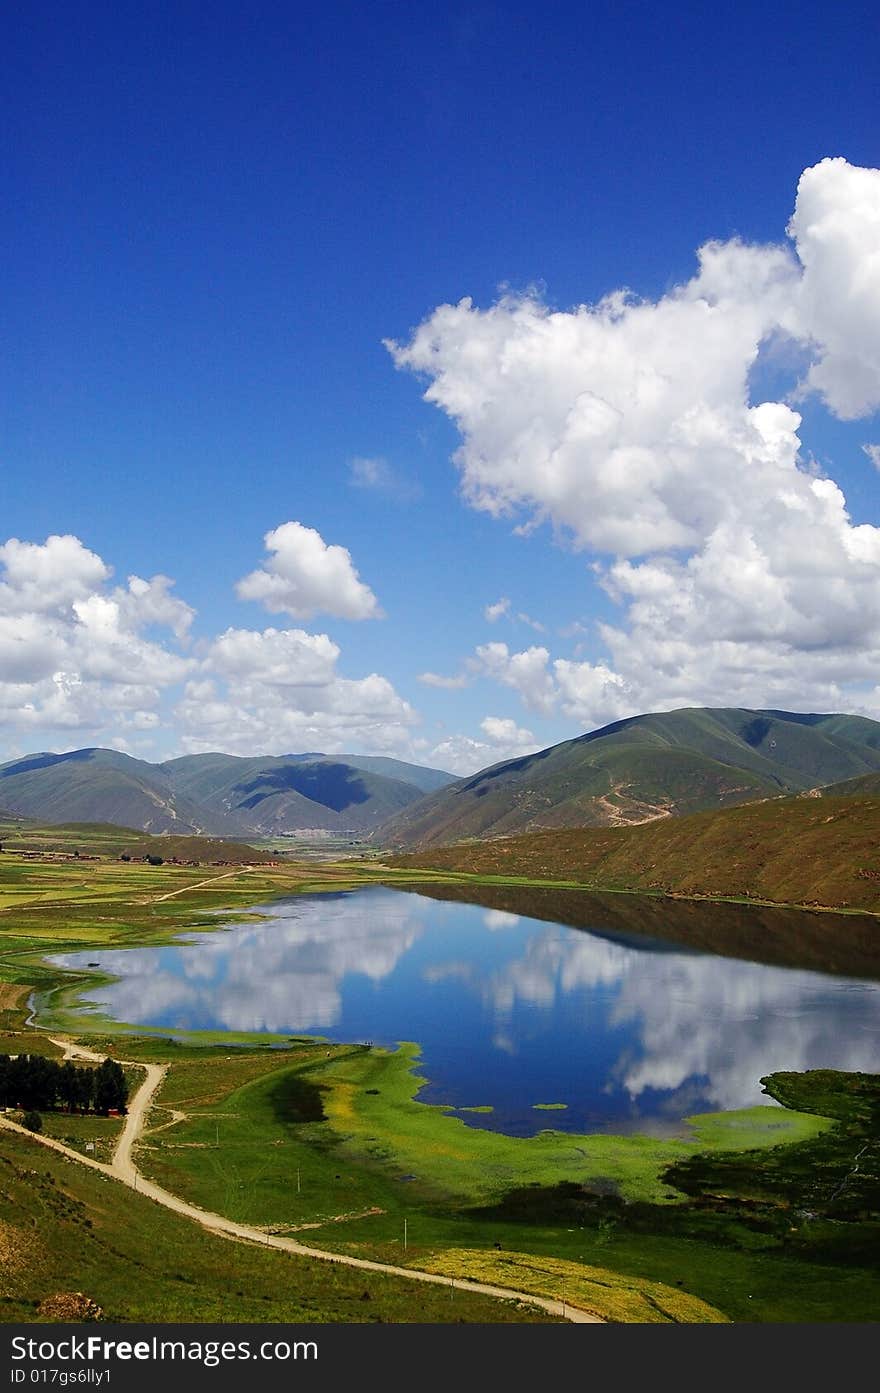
(664, 764)
(214, 794)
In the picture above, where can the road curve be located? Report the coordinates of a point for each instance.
(122, 1168)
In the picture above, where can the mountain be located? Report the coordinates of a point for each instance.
(213, 794)
(276, 794)
(654, 766)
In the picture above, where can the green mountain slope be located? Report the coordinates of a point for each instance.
(96, 786)
(867, 784)
(660, 765)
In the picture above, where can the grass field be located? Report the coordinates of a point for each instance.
(64, 1228)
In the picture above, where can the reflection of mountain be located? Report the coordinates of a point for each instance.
(281, 976)
(821, 942)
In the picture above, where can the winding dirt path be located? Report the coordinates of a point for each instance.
(123, 1168)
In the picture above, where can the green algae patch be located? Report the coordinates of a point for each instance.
(371, 1104)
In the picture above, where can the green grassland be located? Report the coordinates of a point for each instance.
(64, 1228)
(794, 851)
(340, 1148)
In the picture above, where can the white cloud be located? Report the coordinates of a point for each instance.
(532, 623)
(304, 576)
(279, 691)
(48, 577)
(461, 754)
(278, 658)
(592, 694)
(149, 602)
(525, 672)
(436, 679)
(628, 426)
(873, 453)
(836, 228)
(72, 657)
(494, 612)
(505, 733)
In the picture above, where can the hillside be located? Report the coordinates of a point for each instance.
(868, 784)
(648, 767)
(96, 785)
(801, 851)
(210, 794)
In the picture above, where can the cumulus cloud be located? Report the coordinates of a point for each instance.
(525, 672)
(45, 578)
(279, 690)
(504, 739)
(74, 654)
(303, 576)
(836, 228)
(627, 425)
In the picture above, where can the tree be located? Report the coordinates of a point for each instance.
(32, 1121)
(68, 1085)
(111, 1089)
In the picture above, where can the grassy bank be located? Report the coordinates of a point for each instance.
(338, 1150)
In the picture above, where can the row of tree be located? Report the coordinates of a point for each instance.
(31, 1081)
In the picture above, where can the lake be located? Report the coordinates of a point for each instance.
(609, 1028)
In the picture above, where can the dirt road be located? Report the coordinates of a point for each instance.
(198, 885)
(123, 1169)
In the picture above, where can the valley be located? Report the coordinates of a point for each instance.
(659, 1102)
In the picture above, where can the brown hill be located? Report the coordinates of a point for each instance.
(803, 851)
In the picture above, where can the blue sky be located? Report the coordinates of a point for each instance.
(215, 224)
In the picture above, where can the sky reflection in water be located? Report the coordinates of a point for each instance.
(509, 1011)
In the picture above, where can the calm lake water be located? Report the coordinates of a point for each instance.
(630, 1033)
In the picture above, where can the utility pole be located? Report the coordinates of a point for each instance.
(297, 1180)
